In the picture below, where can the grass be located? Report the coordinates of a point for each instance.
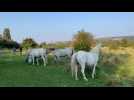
(14, 72)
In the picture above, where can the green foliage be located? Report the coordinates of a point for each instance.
(0, 36)
(5, 40)
(28, 43)
(14, 73)
(9, 44)
(83, 41)
(43, 44)
(6, 34)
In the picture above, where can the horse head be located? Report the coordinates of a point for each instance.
(97, 48)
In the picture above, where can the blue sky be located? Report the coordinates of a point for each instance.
(61, 26)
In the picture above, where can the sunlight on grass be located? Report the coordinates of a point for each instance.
(114, 69)
(124, 72)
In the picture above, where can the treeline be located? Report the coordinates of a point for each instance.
(31, 43)
(81, 41)
(9, 44)
(6, 40)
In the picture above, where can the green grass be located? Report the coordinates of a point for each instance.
(14, 72)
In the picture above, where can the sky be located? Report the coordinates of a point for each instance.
(61, 26)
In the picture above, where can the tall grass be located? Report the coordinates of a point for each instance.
(115, 68)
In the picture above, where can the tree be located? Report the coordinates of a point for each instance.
(28, 43)
(9, 44)
(6, 34)
(0, 37)
(82, 41)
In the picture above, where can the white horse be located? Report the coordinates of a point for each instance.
(58, 53)
(37, 53)
(83, 58)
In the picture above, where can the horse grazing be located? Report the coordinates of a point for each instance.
(58, 53)
(37, 53)
(83, 58)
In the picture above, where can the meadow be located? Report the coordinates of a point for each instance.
(115, 68)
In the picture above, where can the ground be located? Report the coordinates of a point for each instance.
(14, 72)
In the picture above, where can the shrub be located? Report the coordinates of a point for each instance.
(28, 43)
(83, 41)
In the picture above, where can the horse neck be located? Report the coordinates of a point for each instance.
(95, 50)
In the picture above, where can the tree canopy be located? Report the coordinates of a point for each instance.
(28, 43)
(83, 41)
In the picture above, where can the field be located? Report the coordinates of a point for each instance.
(14, 72)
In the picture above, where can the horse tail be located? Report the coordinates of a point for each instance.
(72, 52)
(56, 58)
(73, 63)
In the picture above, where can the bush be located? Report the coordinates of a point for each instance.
(28, 43)
(113, 44)
(111, 59)
(83, 41)
(9, 44)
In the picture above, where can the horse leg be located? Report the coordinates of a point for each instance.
(58, 58)
(44, 60)
(37, 61)
(55, 59)
(83, 72)
(26, 58)
(93, 71)
(33, 60)
(72, 69)
(72, 72)
(76, 71)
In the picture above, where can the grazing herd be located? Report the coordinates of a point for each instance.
(77, 59)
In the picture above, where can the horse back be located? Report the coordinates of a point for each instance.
(38, 51)
(87, 58)
(92, 58)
